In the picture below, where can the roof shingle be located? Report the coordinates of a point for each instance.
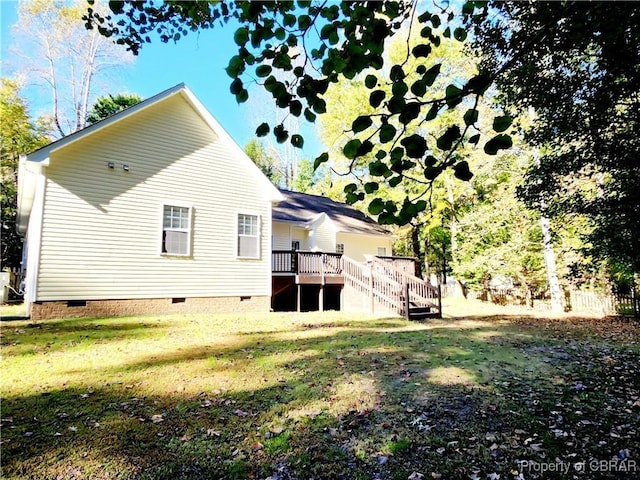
(304, 208)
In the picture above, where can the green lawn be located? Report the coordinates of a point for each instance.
(298, 396)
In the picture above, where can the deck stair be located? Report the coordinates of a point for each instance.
(386, 284)
(393, 288)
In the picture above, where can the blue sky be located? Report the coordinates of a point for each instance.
(198, 60)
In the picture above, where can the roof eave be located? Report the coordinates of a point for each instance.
(43, 154)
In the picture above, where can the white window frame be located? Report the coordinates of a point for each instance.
(188, 230)
(257, 236)
(384, 252)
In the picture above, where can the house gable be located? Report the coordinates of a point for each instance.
(105, 194)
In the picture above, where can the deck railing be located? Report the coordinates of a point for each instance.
(406, 264)
(420, 293)
(379, 288)
(306, 263)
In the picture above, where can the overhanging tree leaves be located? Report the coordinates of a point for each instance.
(575, 63)
(335, 42)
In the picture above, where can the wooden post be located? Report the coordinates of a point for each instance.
(321, 294)
(371, 288)
(297, 297)
(407, 302)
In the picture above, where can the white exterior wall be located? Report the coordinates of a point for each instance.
(356, 246)
(324, 235)
(281, 236)
(101, 232)
(302, 235)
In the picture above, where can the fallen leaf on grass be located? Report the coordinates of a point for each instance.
(157, 418)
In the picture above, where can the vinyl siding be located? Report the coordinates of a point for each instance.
(281, 236)
(302, 235)
(101, 232)
(324, 235)
(356, 246)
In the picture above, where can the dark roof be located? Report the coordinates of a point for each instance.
(304, 208)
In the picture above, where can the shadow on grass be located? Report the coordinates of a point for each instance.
(382, 399)
(59, 335)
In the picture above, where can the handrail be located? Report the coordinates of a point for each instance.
(420, 293)
(306, 263)
(380, 280)
(380, 288)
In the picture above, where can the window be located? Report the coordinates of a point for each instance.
(176, 230)
(248, 236)
(382, 251)
(340, 248)
(295, 245)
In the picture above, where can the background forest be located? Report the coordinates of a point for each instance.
(498, 140)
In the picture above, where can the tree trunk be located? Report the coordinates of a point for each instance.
(415, 246)
(427, 266)
(550, 263)
(453, 223)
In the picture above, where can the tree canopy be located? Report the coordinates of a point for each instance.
(64, 59)
(582, 85)
(336, 41)
(108, 105)
(18, 135)
(572, 65)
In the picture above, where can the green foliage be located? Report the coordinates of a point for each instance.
(583, 83)
(308, 179)
(575, 64)
(108, 105)
(265, 161)
(339, 43)
(18, 136)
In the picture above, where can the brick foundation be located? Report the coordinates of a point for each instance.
(117, 308)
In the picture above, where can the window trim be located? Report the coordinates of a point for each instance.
(189, 230)
(258, 235)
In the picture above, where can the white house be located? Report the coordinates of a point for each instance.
(154, 209)
(314, 223)
(157, 210)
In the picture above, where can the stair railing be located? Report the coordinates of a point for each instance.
(421, 293)
(380, 288)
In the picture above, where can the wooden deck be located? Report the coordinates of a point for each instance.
(308, 267)
(313, 280)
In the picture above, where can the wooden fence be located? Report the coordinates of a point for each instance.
(573, 301)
